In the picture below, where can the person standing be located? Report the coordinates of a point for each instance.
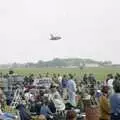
(60, 83)
(110, 84)
(64, 87)
(104, 104)
(92, 79)
(71, 87)
(59, 79)
(115, 101)
(85, 79)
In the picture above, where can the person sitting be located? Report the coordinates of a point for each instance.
(59, 104)
(71, 115)
(45, 110)
(51, 96)
(54, 92)
(41, 117)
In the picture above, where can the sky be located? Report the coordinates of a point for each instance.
(89, 29)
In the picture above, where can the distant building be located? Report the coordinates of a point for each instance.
(92, 65)
(116, 65)
(71, 66)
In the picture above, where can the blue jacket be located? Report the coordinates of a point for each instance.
(45, 110)
(64, 83)
(115, 103)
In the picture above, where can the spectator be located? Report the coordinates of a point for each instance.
(64, 87)
(85, 79)
(98, 94)
(60, 84)
(92, 79)
(71, 86)
(53, 93)
(106, 80)
(117, 76)
(47, 75)
(104, 104)
(44, 110)
(115, 101)
(64, 81)
(59, 104)
(22, 112)
(42, 117)
(1, 100)
(59, 79)
(71, 115)
(110, 83)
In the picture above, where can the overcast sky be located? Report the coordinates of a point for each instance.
(89, 28)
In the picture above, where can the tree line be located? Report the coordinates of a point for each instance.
(57, 62)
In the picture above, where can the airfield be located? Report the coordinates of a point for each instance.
(100, 73)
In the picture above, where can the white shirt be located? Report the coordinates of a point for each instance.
(29, 96)
(60, 79)
(110, 82)
(59, 104)
(110, 85)
(51, 96)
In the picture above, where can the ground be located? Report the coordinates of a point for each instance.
(100, 73)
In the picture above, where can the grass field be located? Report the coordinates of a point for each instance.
(100, 73)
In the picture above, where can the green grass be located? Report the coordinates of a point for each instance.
(100, 73)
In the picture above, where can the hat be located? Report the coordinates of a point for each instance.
(99, 91)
